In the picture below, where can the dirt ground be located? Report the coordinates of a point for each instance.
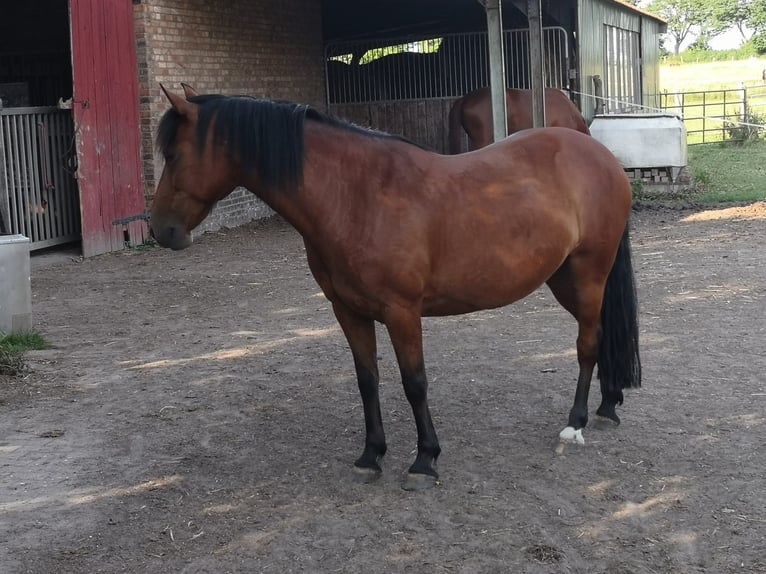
(199, 414)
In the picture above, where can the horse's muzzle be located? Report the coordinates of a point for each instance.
(173, 236)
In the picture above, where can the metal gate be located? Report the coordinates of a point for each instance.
(406, 86)
(622, 71)
(38, 192)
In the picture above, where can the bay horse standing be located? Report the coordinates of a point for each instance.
(394, 232)
(473, 113)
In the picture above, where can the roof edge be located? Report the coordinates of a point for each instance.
(641, 11)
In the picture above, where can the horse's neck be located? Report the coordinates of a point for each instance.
(339, 167)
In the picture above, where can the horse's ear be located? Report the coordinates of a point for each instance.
(179, 103)
(189, 92)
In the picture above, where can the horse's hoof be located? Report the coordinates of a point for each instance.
(366, 475)
(414, 481)
(603, 422)
(571, 436)
(608, 413)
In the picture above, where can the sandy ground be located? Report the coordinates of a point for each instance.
(198, 413)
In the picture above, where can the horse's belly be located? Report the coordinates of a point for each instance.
(445, 306)
(488, 288)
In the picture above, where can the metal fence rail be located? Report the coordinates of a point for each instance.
(715, 115)
(38, 192)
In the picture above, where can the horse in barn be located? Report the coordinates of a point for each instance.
(473, 113)
(394, 232)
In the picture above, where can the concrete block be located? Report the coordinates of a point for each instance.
(643, 140)
(15, 285)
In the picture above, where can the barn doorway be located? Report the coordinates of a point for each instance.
(38, 191)
(70, 150)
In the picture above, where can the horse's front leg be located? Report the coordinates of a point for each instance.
(405, 330)
(360, 333)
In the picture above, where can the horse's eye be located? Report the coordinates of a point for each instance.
(169, 157)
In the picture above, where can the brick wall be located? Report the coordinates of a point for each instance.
(265, 48)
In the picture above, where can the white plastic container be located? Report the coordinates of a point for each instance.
(643, 140)
(15, 285)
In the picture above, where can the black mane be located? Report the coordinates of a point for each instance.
(264, 134)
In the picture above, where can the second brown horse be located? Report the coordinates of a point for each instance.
(473, 113)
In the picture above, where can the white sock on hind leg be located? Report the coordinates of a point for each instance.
(569, 434)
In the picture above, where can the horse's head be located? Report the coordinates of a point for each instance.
(196, 174)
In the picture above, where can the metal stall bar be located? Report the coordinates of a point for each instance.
(407, 85)
(38, 192)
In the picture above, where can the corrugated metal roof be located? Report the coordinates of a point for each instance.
(639, 10)
(353, 19)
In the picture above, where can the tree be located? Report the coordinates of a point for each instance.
(744, 15)
(683, 17)
(756, 17)
(705, 19)
(758, 41)
(747, 16)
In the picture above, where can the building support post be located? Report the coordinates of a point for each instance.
(496, 67)
(534, 15)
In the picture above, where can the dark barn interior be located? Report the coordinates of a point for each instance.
(38, 192)
(35, 54)
(398, 65)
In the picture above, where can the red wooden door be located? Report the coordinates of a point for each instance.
(106, 116)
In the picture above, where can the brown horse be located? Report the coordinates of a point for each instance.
(394, 232)
(473, 113)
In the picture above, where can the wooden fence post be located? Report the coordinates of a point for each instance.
(679, 100)
(744, 113)
(598, 91)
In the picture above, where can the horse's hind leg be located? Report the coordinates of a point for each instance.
(360, 333)
(581, 294)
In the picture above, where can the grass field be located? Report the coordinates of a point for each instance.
(722, 172)
(708, 92)
(724, 75)
(728, 172)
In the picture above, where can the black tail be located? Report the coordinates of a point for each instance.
(619, 363)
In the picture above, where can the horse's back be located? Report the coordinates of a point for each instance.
(561, 112)
(534, 143)
(573, 167)
(563, 166)
(531, 142)
(476, 113)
